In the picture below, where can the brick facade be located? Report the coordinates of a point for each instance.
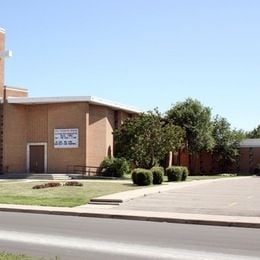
(26, 125)
(2, 48)
(249, 160)
(206, 163)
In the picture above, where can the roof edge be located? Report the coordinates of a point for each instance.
(17, 88)
(70, 99)
(250, 143)
(2, 30)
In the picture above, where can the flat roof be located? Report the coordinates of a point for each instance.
(253, 142)
(70, 99)
(17, 88)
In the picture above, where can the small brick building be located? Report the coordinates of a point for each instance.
(50, 134)
(249, 155)
(206, 162)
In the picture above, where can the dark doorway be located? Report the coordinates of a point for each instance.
(36, 159)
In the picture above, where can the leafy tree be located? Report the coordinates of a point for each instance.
(254, 133)
(146, 139)
(195, 119)
(227, 140)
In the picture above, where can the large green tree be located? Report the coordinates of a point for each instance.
(255, 133)
(227, 140)
(146, 139)
(195, 119)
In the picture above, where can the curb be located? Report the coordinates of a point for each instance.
(210, 220)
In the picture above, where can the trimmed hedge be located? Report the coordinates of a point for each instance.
(142, 177)
(257, 170)
(177, 173)
(158, 173)
(134, 173)
(185, 173)
(115, 167)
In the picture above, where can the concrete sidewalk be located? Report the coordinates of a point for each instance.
(113, 211)
(216, 220)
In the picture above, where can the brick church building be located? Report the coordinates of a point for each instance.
(49, 134)
(40, 135)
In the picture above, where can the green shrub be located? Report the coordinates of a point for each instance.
(115, 167)
(174, 173)
(257, 170)
(142, 177)
(158, 173)
(134, 172)
(185, 173)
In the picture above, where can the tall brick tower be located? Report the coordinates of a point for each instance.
(5, 92)
(2, 48)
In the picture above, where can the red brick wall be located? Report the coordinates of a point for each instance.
(67, 115)
(15, 138)
(206, 163)
(2, 47)
(249, 159)
(36, 123)
(99, 130)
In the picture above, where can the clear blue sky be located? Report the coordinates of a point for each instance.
(144, 53)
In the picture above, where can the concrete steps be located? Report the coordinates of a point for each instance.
(39, 176)
(104, 203)
(108, 201)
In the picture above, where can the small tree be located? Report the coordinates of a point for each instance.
(255, 133)
(195, 119)
(146, 139)
(226, 150)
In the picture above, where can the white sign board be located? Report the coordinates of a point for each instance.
(66, 138)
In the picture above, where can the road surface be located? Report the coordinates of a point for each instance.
(93, 238)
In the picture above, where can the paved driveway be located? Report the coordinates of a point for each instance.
(233, 197)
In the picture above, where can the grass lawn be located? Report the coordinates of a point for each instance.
(67, 196)
(63, 196)
(11, 256)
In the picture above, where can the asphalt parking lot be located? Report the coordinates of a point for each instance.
(232, 197)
